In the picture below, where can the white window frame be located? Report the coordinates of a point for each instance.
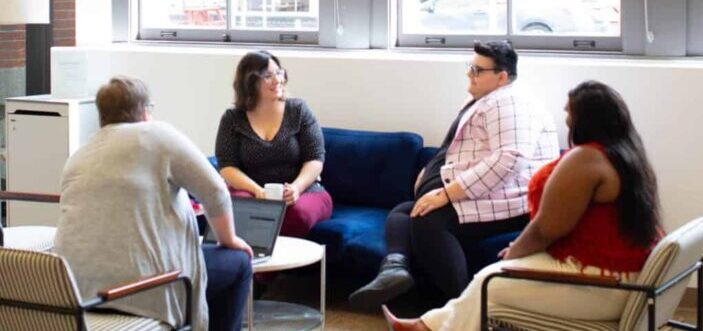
(672, 38)
(550, 43)
(226, 34)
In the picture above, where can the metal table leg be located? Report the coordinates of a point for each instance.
(323, 286)
(250, 306)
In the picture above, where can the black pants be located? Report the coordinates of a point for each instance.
(434, 243)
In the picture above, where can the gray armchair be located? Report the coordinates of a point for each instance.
(38, 292)
(659, 287)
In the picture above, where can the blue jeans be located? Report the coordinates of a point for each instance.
(228, 278)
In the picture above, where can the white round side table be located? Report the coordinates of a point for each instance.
(289, 253)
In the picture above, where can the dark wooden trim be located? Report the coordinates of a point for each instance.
(132, 287)
(23, 196)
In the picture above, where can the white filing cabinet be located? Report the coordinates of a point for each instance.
(41, 132)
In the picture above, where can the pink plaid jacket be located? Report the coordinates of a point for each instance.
(500, 142)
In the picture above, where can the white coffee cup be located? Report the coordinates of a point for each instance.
(273, 191)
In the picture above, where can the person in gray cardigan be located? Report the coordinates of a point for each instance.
(125, 214)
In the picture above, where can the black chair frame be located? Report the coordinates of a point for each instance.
(651, 292)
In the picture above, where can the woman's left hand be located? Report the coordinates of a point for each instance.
(242, 245)
(291, 193)
(505, 252)
(432, 200)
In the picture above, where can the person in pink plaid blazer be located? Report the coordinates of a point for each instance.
(473, 188)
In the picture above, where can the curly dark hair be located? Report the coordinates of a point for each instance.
(250, 71)
(599, 114)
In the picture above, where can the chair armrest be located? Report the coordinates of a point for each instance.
(141, 285)
(572, 278)
(126, 289)
(24, 196)
(550, 277)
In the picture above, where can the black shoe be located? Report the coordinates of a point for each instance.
(392, 280)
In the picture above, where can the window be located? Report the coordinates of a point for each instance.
(291, 21)
(189, 14)
(564, 24)
(551, 25)
(296, 15)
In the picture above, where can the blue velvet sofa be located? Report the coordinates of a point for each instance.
(367, 174)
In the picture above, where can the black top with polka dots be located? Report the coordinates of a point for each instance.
(277, 161)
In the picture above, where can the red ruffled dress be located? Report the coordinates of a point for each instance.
(596, 240)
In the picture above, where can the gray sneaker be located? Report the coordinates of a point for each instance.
(393, 279)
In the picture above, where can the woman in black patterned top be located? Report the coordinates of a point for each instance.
(267, 138)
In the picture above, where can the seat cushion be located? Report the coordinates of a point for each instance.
(99, 322)
(365, 252)
(502, 317)
(374, 169)
(32, 238)
(353, 235)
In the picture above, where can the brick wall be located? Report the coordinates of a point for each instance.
(12, 37)
(12, 63)
(12, 46)
(64, 23)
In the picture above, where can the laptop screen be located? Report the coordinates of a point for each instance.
(256, 221)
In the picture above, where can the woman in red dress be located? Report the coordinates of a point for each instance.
(593, 211)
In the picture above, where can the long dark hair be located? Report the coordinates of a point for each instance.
(599, 114)
(250, 71)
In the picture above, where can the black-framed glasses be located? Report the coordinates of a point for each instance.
(475, 70)
(150, 108)
(280, 74)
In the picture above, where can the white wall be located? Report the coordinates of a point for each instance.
(376, 90)
(93, 22)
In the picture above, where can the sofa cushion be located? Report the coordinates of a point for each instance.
(372, 169)
(365, 252)
(426, 154)
(352, 226)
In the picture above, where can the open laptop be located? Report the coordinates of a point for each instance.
(258, 222)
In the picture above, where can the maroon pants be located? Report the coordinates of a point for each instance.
(310, 209)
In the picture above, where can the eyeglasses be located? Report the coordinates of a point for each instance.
(150, 108)
(280, 74)
(475, 70)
